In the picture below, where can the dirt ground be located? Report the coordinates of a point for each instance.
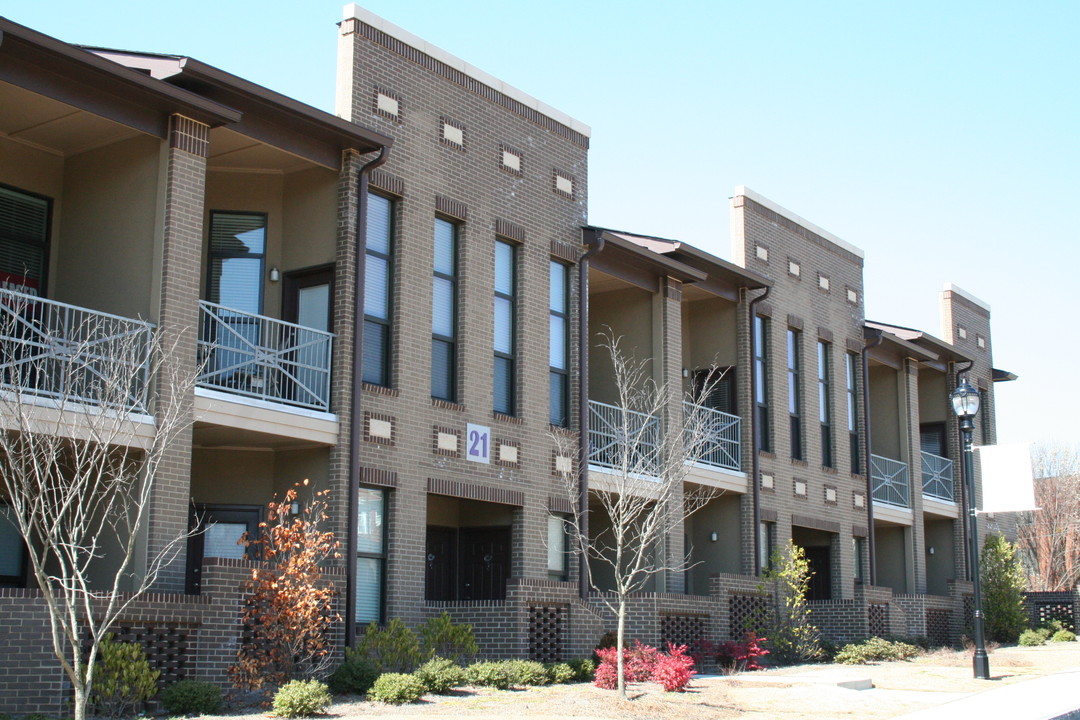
(795, 693)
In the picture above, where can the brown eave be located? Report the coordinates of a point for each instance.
(630, 262)
(941, 348)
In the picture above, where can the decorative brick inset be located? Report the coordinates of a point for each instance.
(167, 647)
(742, 611)
(471, 491)
(800, 488)
(546, 626)
(823, 282)
(565, 251)
(562, 184)
(452, 134)
(511, 160)
(189, 135)
(451, 208)
(762, 253)
(767, 481)
(937, 627)
(877, 618)
(379, 428)
(830, 495)
(382, 478)
(446, 441)
(689, 630)
(507, 453)
(794, 268)
(382, 180)
(387, 104)
(509, 230)
(561, 464)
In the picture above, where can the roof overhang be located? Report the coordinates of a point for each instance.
(635, 264)
(1003, 375)
(943, 353)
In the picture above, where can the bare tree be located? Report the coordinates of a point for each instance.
(79, 452)
(1050, 540)
(646, 442)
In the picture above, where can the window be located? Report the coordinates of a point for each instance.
(12, 550)
(444, 313)
(761, 382)
(237, 257)
(858, 546)
(378, 278)
(222, 527)
(824, 355)
(984, 417)
(850, 360)
(370, 555)
(505, 287)
(24, 240)
(559, 344)
(767, 539)
(557, 550)
(794, 360)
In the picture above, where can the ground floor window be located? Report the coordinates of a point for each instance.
(12, 550)
(557, 550)
(370, 555)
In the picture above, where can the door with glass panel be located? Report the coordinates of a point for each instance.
(307, 300)
(219, 532)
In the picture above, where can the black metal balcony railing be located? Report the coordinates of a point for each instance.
(54, 350)
(937, 477)
(264, 358)
(890, 481)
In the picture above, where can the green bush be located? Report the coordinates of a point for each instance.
(489, 674)
(441, 637)
(1063, 636)
(393, 648)
(875, 650)
(123, 679)
(301, 698)
(396, 688)
(355, 676)
(1032, 638)
(440, 675)
(584, 669)
(561, 673)
(191, 697)
(791, 637)
(1003, 589)
(527, 673)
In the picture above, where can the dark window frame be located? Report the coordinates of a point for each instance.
(761, 391)
(381, 325)
(211, 254)
(560, 375)
(795, 404)
(450, 342)
(18, 580)
(46, 243)
(851, 371)
(825, 402)
(510, 358)
(379, 557)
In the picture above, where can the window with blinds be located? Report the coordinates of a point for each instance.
(378, 279)
(237, 256)
(505, 289)
(370, 555)
(444, 313)
(24, 235)
(559, 344)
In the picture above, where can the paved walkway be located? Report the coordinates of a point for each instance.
(1051, 697)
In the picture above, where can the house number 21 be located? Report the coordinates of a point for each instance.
(478, 443)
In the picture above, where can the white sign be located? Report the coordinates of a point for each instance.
(478, 443)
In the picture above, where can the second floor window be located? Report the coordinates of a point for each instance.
(444, 313)
(794, 360)
(761, 383)
(850, 360)
(24, 241)
(237, 258)
(505, 287)
(559, 344)
(378, 279)
(825, 401)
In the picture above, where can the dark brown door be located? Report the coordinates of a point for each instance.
(441, 564)
(821, 577)
(484, 563)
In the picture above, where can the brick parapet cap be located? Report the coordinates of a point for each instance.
(746, 192)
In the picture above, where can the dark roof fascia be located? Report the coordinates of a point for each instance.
(50, 67)
(998, 375)
(637, 265)
(893, 347)
(935, 345)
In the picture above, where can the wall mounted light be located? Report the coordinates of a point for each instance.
(714, 537)
(930, 550)
(275, 274)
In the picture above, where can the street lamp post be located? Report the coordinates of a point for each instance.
(965, 402)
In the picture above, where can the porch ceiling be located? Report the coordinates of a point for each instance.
(51, 125)
(207, 435)
(230, 150)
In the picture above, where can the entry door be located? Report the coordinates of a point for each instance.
(441, 563)
(821, 579)
(308, 300)
(484, 563)
(221, 527)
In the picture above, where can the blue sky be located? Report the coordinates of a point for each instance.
(941, 138)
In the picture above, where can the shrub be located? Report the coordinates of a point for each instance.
(301, 698)
(644, 663)
(786, 621)
(489, 674)
(396, 689)
(441, 637)
(191, 697)
(1003, 589)
(393, 649)
(1063, 636)
(561, 673)
(355, 676)
(737, 656)
(440, 675)
(875, 649)
(123, 679)
(527, 673)
(1031, 638)
(584, 669)
(675, 670)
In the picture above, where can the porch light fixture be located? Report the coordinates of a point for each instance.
(965, 402)
(275, 274)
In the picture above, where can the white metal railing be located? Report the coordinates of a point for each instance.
(719, 436)
(890, 481)
(937, 477)
(55, 350)
(623, 439)
(264, 358)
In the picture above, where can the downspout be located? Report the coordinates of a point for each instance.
(595, 242)
(875, 336)
(755, 440)
(969, 558)
(357, 394)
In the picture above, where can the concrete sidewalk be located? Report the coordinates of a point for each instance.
(1051, 697)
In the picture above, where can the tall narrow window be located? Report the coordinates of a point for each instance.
(767, 542)
(505, 288)
(761, 382)
(378, 276)
(370, 555)
(824, 381)
(858, 548)
(794, 360)
(850, 362)
(559, 344)
(24, 236)
(557, 548)
(444, 313)
(237, 258)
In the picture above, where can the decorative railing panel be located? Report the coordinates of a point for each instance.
(623, 440)
(890, 481)
(718, 435)
(264, 358)
(72, 354)
(937, 477)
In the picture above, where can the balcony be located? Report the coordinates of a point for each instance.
(720, 437)
(623, 440)
(890, 481)
(262, 358)
(937, 477)
(70, 354)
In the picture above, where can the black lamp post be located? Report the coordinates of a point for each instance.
(965, 402)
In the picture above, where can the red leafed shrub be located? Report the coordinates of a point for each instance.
(644, 663)
(739, 655)
(674, 670)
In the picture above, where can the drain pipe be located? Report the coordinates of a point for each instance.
(755, 440)
(595, 242)
(875, 337)
(357, 394)
(969, 557)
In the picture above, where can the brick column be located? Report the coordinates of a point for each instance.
(914, 459)
(185, 185)
(668, 373)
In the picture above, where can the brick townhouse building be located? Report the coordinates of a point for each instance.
(433, 382)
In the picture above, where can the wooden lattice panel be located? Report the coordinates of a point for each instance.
(547, 624)
(878, 619)
(743, 613)
(937, 627)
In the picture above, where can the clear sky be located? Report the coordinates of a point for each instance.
(942, 138)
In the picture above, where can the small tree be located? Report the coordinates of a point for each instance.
(78, 468)
(288, 611)
(1002, 589)
(792, 638)
(1049, 542)
(651, 439)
